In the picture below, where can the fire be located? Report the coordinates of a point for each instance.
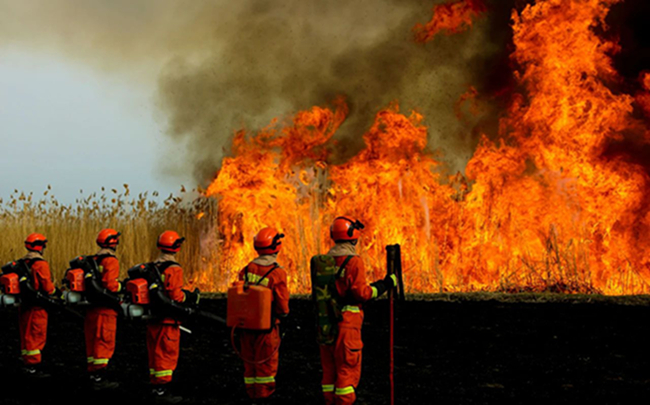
(547, 207)
(451, 17)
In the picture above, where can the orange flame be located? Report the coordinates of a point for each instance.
(546, 207)
(453, 18)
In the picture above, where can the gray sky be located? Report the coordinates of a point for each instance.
(72, 127)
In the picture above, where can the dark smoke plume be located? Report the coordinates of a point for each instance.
(224, 65)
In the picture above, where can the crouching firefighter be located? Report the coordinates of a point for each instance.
(339, 290)
(158, 286)
(255, 306)
(30, 279)
(95, 278)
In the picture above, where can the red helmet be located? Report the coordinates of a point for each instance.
(345, 228)
(170, 242)
(108, 238)
(267, 241)
(36, 242)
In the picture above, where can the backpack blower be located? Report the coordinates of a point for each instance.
(83, 284)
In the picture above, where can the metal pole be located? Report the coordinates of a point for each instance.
(392, 255)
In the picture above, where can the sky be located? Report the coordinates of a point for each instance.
(76, 128)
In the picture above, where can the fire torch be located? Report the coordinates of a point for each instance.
(393, 266)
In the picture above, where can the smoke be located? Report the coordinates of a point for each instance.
(224, 65)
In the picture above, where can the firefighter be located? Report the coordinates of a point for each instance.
(32, 316)
(101, 322)
(163, 333)
(341, 356)
(259, 349)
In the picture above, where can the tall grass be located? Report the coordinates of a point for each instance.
(71, 229)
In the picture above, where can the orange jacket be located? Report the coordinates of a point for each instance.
(172, 278)
(276, 281)
(110, 269)
(42, 277)
(354, 290)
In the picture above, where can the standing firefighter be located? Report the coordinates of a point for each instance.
(32, 316)
(163, 333)
(338, 289)
(259, 348)
(101, 321)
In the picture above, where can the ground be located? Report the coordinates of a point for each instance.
(448, 350)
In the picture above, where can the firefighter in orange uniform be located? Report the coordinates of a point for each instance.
(259, 349)
(101, 322)
(32, 317)
(163, 334)
(341, 361)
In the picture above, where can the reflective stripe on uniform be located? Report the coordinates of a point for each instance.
(374, 292)
(351, 308)
(30, 352)
(90, 359)
(100, 361)
(264, 380)
(254, 279)
(394, 277)
(344, 391)
(328, 388)
(161, 373)
(249, 380)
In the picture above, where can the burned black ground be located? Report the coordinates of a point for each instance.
(448, 351)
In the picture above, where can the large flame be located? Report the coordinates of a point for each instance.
(546, 207)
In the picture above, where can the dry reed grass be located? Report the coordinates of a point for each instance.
(71, 229)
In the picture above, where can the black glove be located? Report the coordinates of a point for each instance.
(57, 294)
(384, 285)
(192, 297)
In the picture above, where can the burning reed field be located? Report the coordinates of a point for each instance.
(526, 272)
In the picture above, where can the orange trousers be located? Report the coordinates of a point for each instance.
(260, 351)
(99, 328)
(32, 322)
(163, 347)
(342, 367)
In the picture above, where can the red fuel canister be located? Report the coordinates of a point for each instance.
(139, 291)
(10, 284)
(249, 308)
(75, 279)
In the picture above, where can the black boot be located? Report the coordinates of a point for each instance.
(98, 381)
(162, 395)
(34, 371)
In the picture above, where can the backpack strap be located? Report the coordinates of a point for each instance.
(30, 262)
(275, 266)
(161, 267)
(345, 263)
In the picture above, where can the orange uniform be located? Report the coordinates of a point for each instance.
(341, 361)
(32, 318)
(163, 336)
(101, 322)
(260, 348)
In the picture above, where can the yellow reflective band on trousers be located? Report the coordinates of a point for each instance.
(249, 380)
(30, 352)
(90, 359)
(264, 380)
(351, 308)
(344, 391)
(161, 373)
(374, 292)
(328, 388)
(100, 361)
